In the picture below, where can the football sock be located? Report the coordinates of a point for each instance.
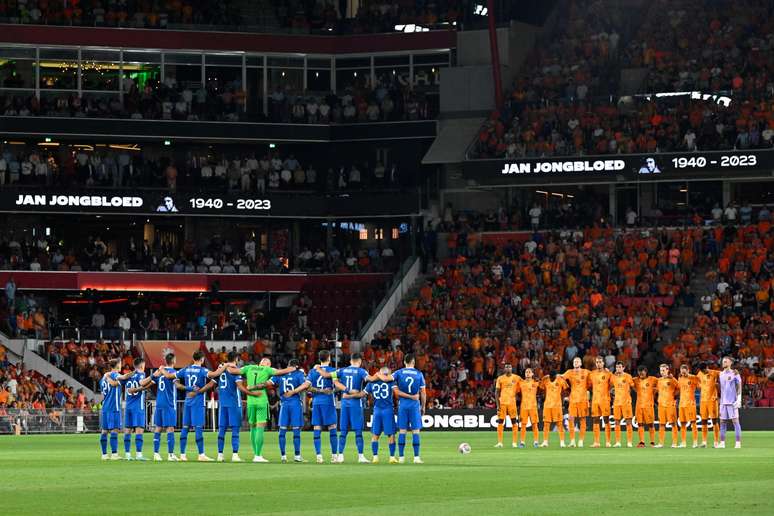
(617, 432)
(103, 440)
(199, 431)
(127, 442)
(583, 428)
(259, 440)
(694, 432)
(716, 431)
(392, 449)
(572, 430)
(156, 442)
(607, 431)
(138, 441)
(375, 448)
(221, 438)
(282, 440)
(333, 440)
(316, 439)
(297, 441)
(641, 433)
(252, 439)
(170, 442)
(704, 431)
(595, 429)
(401, 444)
(652, 432)
(113, 442)
(661, 433)
(723, 431)
(235, 439)
(683, 432)
(415, 444)
(359, 442)
(629, 432)
(674, 433)
(515, 431)
(342, 441)
(737, 430)
(183, 440)
(500, 433)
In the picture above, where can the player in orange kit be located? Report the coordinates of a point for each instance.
(528, 388)
(708, 407)
(578, 379)
(600, 380)
(687, 410)
(623, 383)
(553, 386)
(667, 386)
(505, 394)
(646, 387)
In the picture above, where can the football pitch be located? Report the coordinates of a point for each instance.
(57, 474)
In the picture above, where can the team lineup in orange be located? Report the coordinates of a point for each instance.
(601, 382)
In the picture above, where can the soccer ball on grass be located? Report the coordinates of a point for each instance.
(464, 448)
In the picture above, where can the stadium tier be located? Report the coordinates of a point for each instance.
(387, 232)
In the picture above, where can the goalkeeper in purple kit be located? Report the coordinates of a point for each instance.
(730, 402)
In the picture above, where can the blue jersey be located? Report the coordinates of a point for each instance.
(354, 379)
(318, 382)
(228, 394)
(111, 401)
(137, 400)
(409, 381)
(288, 382)
(193, 377)
(166, 393)
(382, 394)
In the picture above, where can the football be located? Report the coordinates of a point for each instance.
(464, 448)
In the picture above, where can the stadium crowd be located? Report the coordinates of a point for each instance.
(200, 169)
(124, 13)
(222, 101)
(556, 107)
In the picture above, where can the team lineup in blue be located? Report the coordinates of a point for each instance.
(405, 386)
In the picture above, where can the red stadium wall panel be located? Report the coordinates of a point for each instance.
(225, 41)
(168, 282)
(154, 351)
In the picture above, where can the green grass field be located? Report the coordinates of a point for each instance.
(64, 475)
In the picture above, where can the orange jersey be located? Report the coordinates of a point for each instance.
(507, 385)
(688, 385)
(667, 386)
(553, 392)
(578, 380)
(709, 385)
(622, 389)
(600, 380)
(646, 390)
(528, 389)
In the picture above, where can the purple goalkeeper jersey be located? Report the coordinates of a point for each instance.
(729, 380)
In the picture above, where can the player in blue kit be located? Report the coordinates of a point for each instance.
(291, 415)
(165, 415)
(230, 409)
(351, 380)
(195, 380)
(410, 389)
(323, 407)
(134, 413)
(110, 385)
(383, 416)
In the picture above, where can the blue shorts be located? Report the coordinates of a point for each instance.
(193, 415)
(291, 415)
(409, 418)
(351, 418)
(110, 421)
(229, 417)
(323, 415)
(134, 417)
(165, 417)
(383, 422)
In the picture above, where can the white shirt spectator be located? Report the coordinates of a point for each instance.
(124, 323)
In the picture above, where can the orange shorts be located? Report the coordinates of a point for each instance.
(507, 410)
(622, 411)
(530, 414)
(552, 415)
(600, 409)
(579, 409)
(666, 415)
(645, 415)
(709, 410)
(688, 414)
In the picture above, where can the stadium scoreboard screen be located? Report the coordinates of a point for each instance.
(105, 202)
(621, 167)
